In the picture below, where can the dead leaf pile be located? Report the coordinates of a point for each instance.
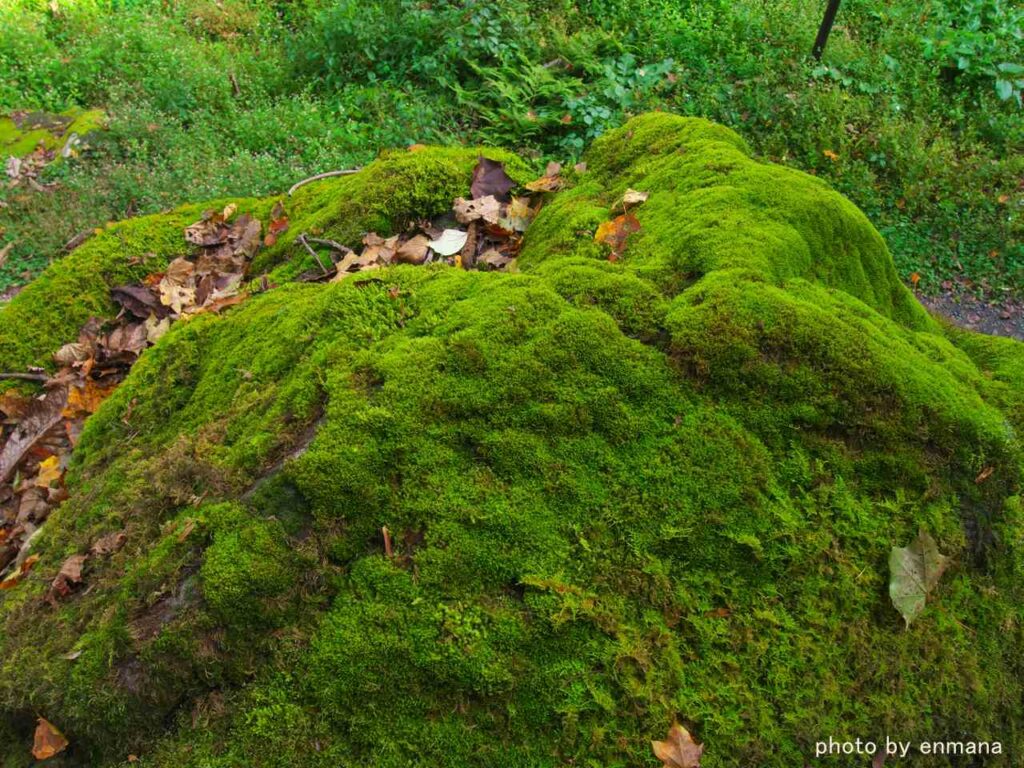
(25, 171)
(38, 433)
(482, 232)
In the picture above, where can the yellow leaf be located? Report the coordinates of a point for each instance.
(49, 472)
(831, 155)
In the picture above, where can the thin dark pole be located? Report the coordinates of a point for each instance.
(825, 29)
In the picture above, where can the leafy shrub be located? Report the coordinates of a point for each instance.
(982, 40)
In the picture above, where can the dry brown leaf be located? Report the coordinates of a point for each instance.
(489, 178)
(679, 750)
(108, 544)
(44, 414)
(190, 525)
(630, 199)
(414, 250)
(48, 740)
(483, 208)
(278, 224)
(69, 576)
(75, 352)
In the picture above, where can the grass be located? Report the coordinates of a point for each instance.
(904, 114)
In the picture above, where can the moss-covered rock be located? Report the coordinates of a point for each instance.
(23, 133)
(617, 494)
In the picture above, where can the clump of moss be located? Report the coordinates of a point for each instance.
(614, 495)
(22, 136)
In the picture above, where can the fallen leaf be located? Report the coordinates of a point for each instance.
(831, 155)
(915, 278)
(489, 178)
(34, 506)
(18, 575)
(155, 329)
(679, 750)
(494, 259)
(914, 572)
(417, 147)
(278, 224)
(984, 475)
(484, 208)
(518, 215)
(139, 301)
(48, 740)
(75, 352)
(69, 576)
(49, 472)
(413, 251)
(44, 414)
(615, 232)
(108, 544)
(85, 398)
(629, 199)
(450, 242)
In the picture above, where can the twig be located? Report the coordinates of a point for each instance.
(387, 542)
(330, 244)
(329, 174)
(316, 257)
(25, 376)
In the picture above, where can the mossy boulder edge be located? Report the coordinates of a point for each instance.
(620, 494)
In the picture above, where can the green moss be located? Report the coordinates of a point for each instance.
(616, 494)
(21, 138)
(394, 190)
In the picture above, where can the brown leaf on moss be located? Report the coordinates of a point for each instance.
(489, 178)
(48, 740)
(551, 181)
(108, 544)
(69, 577)
(615, 232)
(278, 224)
(679, 750)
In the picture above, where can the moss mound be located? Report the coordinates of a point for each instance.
(616, 494)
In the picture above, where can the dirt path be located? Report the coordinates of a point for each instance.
(1006, 319)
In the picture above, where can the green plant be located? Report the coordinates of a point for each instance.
(981, 40)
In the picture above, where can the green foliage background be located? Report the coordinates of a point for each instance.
(920, 102)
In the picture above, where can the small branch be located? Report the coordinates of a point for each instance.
(329, 174)
(316, 257)
(334, 244)
(40, 377)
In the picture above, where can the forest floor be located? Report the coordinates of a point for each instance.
(913, 112)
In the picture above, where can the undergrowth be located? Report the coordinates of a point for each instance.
(909, 113)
